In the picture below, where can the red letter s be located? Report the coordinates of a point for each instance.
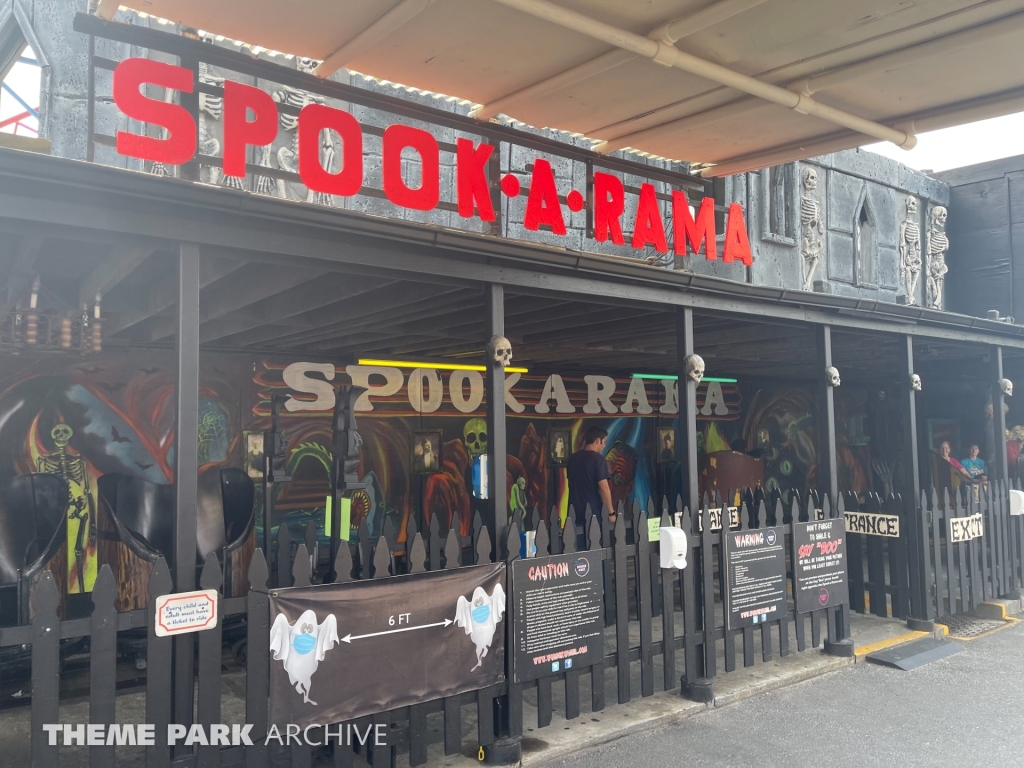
(180, 145)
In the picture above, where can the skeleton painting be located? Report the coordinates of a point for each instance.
(480, 617)
(910, 251)
(938, 244)
(302, 646)
(812, 230)
(81, 531)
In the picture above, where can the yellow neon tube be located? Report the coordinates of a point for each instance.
(438, 366)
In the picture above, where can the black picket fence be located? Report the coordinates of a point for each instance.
(879, 556)
(973, 547)
(637, 593)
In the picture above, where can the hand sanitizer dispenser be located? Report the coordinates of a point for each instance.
(1017, 502)
(673, 548)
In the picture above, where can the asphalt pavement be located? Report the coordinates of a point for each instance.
(965, 710)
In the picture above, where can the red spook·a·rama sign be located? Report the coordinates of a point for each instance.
(542, 204)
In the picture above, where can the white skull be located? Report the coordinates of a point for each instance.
(911, 206)
(306, 65)
(694, 368)
(939, 217)
(499, 349)
(832, 374)
(810, 179)
(915, 382)
(1006, 387)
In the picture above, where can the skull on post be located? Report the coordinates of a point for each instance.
(694, 368)
(499, 350)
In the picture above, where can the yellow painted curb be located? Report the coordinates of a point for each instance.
(1002, 610)
(906, 637)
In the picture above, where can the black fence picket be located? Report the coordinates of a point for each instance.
(638, 593)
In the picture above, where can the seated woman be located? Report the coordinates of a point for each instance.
(975, 466)
(947, 453)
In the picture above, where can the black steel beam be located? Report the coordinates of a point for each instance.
(828, 471)
(686, 432)
(495, 397)
(999, 415)
(186, 466)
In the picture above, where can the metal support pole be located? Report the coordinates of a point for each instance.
(686, 432)
(828, 470)
(507, 747)
(496, 447)
(838, 642)
(186, 466)
(921, 615)
(1000, 464)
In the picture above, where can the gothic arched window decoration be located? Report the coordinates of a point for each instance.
(865, 245)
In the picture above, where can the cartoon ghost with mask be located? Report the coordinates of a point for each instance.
(480, 618)
(301, 646)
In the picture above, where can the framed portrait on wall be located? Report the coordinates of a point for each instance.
(666, 445)
(426, 452)
(253, 459)
(559, 446)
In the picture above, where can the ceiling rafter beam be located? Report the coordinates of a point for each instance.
(983, 108)
(670, 56)
(671, 31)
(808, 86)
(401, 14)
(111, 270)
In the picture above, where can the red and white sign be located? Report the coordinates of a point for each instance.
(473, 194)
(184, 612)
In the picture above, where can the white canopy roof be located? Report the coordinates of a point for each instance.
(740, 83)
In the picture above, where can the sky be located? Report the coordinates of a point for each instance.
(24, 80)
(963, 145)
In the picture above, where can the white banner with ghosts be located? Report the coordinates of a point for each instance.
(342, 651)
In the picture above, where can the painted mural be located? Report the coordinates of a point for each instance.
(451, 403)
(114, 413)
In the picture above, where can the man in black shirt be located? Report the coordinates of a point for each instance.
(588, 474)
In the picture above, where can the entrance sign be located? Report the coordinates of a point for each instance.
(963, 529)
(341, 651)
(873, 525)
(755, 576)
(820, 575)
(558, 608)
(715, 513)
(177, 614)
(543, 205)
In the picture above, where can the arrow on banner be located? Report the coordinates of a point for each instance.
(350, 637)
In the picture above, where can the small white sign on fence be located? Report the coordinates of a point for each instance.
(183, 612)
(963, 529)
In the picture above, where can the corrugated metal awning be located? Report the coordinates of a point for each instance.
(740, 83)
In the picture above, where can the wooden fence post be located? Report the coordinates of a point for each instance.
(158, 670)
(257, 661)
(45, 670)
(103, 662)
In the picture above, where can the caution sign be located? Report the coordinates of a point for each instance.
(820, 575)
(341, 651)
(558, 606)
(873, 525)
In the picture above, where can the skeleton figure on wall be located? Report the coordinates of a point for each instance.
(212, 108)
(812, 230)
(938, 244)
(910, 251)
(288, 156)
